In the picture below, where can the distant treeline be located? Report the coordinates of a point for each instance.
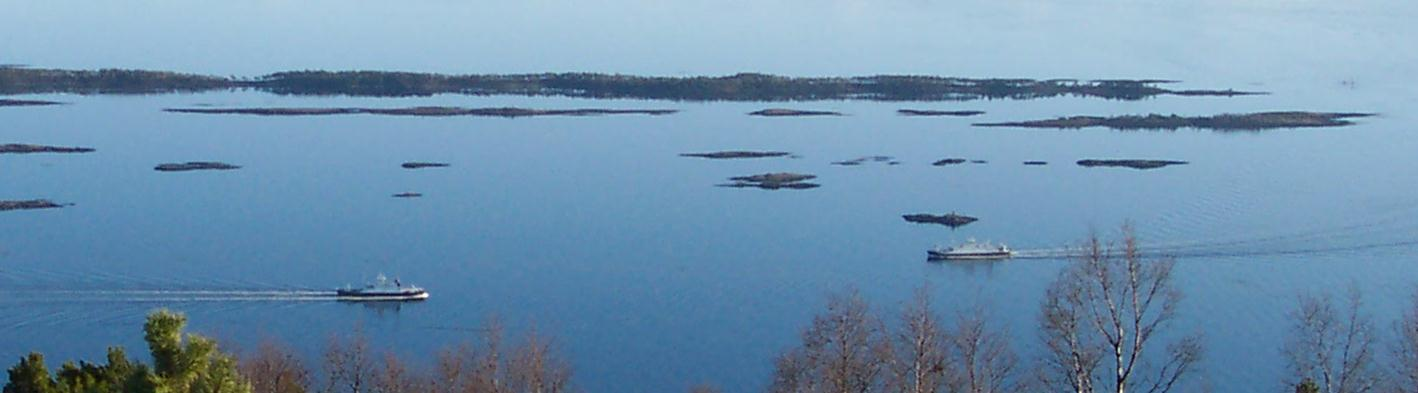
(739, 87)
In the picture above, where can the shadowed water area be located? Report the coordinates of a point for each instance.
(597, 231)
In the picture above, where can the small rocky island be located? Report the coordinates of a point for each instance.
(951, 219)
(773, 181)
(408, 195)
(419, 165)
(923, 112)
(195, 166)
(9, 102)
(950, 161)
(29, 205)
(428, 111)
(1134, 164)
(17, 148)
(1226, 122)
(1036, 163)
(780, 112)
(731, 154)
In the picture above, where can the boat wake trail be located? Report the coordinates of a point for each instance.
(159, 295)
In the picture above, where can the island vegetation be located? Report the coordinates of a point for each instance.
(737, 87)
(430, 111)
(1225, 122)
(731, 154)
(29, 205)
(195, 166)
(1129, 163)
(18, 148)
(773, 181)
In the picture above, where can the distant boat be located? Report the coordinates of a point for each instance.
(970, 251)
(382, 290)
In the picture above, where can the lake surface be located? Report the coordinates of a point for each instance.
(593, 230)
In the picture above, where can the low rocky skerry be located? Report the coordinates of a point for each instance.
(735, 154)
(780, 112)
(936, 113)
(1225, 122)
(20, 148)
(426, 111)
(1130, 163)
(4, 102)
(773, 181)
(195, 166)
(420, 165)
(29, 205)
(951, 219)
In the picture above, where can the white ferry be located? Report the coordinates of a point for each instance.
(970, 251)
(382, 290)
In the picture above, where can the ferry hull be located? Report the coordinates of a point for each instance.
(991, 256)
(380, 297)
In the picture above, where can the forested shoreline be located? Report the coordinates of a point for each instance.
(737, 87)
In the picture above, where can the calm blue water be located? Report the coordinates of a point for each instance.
(594, 231)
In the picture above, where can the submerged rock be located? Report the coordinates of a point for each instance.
(922, 112)
(773, 181)
(719, 155)
(417, 165)
(863, 160)
(28, 205)
(1226, 122)
(1134, 164)
(776, 112)
(9, 102)
(16, 148)
(194, 166)
(950, 219)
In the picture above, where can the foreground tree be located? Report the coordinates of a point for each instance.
(273, 368)
(1106, 308)
(844, 351)
(1331, 348)
(1405, 351)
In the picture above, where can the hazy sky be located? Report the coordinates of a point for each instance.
(1083, 38)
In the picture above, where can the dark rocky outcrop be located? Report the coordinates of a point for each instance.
(773, 181)
(951, 219)
(923, 112)
(1036, 163)
(1227, 122)
(408, 195)
(949, 161)
(1134, 164)
(779, 112)
(28, 205)
(418, 165)
(719, 155)
(428, 111)
(16, 148)
(194, 166)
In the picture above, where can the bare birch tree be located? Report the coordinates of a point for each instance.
(274, 368)
(1106, 308)
(921, 349)
(536, 368)
(1330, 347)
(348, 365)
(844, 351)
(1405, 351)
(981, 360)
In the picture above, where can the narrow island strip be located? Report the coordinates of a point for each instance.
(1224, 122)
(429, 111)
